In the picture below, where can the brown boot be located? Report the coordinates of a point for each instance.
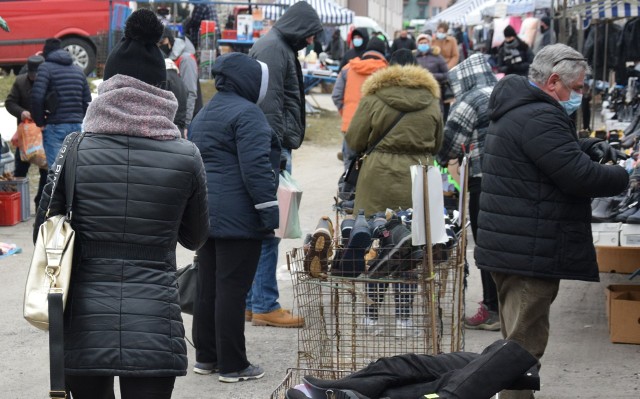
(248, 315)
(277, 318)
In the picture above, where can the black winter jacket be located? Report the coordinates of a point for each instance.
(241, 153)
(284, 105)
(535, 213)
(58, 74)
(515, 60)
(138, 192)
(356, 51)
(178, 88)
(19, 98)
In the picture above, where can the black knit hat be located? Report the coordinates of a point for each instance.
(509, 31)
(50, 45)
(376, 44)
(137, 55)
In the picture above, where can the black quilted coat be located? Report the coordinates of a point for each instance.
(136, 196)
(535, 212)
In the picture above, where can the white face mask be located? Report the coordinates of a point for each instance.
(441, 35)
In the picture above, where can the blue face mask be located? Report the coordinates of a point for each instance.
(573, 103)
(441, 35)
(424, 48)
(357, 42)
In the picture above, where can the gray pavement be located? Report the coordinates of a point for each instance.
(580, 361)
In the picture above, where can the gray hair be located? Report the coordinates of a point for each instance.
(560, 59)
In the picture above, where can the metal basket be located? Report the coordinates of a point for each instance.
(294, 377)
(416, 311)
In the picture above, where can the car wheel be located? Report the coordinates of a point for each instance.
(82, 53)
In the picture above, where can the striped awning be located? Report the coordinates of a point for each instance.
(329, 12)
(605, 9)
(458, 12)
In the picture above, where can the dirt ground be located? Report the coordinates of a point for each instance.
(580, 361)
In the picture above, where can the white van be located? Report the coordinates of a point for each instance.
(364, 23)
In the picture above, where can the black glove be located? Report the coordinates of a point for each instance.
(283, 162)
(600, 151)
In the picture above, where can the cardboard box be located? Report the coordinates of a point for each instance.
(618, 259)
(606, 234)
(623, 311)
(630, 235)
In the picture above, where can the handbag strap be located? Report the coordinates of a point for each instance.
(71, 141)
(56, 346)
(395, 122)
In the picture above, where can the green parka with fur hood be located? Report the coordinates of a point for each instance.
(384, 180)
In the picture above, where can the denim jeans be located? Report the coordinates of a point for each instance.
(263, 296)
(53, 136)
(525, 304)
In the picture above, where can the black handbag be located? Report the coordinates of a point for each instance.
(353, 171)
(447, 91)
(188, 285)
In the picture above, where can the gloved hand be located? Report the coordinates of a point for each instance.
(269, 218)
(600, 151)
(283, 162)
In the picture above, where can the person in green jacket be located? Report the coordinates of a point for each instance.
(384, 180)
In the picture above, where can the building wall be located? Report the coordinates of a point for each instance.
(437, 6)
(387, 13)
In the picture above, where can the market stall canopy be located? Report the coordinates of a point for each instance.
(470, 12)
(329, 12)
(605, 9)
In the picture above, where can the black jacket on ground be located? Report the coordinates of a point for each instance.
(284, 105)
(535, 212)
(135, 199)
(356, 51)
(58, 74)
(241, 153)
(19, 98)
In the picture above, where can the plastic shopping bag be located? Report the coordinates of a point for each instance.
(289, 197)
(30, 143)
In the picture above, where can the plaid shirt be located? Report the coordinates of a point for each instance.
(201, 12)
(472, 82)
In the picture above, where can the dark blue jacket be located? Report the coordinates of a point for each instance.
(240, 152)
(58, 74)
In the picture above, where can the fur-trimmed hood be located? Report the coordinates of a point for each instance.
(405, 88)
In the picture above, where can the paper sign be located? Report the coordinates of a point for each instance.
(436, 206)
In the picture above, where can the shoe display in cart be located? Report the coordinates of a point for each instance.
(395, 245)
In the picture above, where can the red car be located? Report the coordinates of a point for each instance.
(78, 24)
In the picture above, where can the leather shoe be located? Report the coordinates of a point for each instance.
(277, 318)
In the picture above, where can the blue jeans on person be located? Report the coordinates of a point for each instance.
(52, 137)
(263, 296)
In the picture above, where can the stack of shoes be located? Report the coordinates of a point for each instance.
(316, 259)
(484, 319)
(351, 261)
(395, 246)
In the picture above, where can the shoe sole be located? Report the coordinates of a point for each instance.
(484, 326)
(248, 316)
(264, 323)
(240, 379)
(316, 260)
(203, 371)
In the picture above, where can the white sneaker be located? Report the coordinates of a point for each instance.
(371, 326)
(405, 328)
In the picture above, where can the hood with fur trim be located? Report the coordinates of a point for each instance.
(405, 88)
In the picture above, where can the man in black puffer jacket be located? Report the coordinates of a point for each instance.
(534, 226)
(59, 97)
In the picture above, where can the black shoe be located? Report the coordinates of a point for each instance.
(345, 230)
(635, 217)
(293, 393)
(313, 386)
(351, 262)
(395, 246)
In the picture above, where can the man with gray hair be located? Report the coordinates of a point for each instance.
(534, 226)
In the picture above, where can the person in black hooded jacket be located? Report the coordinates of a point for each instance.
(534, 225)
(360, 40)
(139, 190)
(514, 55)
(241, 154)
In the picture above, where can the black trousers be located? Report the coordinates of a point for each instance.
(90, 387)
(489, 290)
(22, 169)
(225, 275)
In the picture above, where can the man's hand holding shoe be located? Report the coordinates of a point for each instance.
(601, 151)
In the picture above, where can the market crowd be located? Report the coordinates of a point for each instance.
(206, 176)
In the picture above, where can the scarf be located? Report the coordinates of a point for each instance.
(130, 107)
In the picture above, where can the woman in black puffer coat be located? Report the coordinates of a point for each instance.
(139, 190)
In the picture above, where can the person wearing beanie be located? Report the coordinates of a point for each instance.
(284, 106)
(18, 104)
(182, 53)
(359, 40)
(403, 41)
(234, 137)
(514, 55)
(546, 36)
(403, 57)
(347, 93)
(139, 190)
(59, 97)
